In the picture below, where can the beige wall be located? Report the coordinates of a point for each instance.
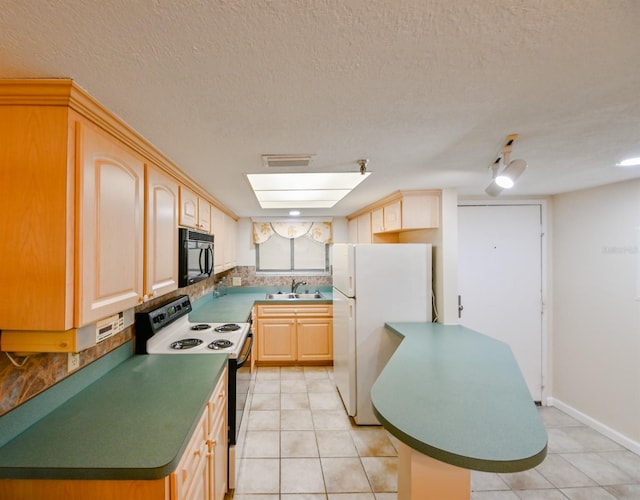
(596, 313)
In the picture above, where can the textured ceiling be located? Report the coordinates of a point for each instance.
(427, 90)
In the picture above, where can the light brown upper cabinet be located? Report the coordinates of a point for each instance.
(224, 231)
(398, 212)
(195, 212)
(87, 232)
(111, 244)
(161, 269)
(74, 241)
(387, 218)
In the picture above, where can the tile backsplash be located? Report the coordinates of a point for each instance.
(250, 278)
(42, 370)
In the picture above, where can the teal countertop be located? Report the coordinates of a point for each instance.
(458, 396)
(132, 423)
(236, 305)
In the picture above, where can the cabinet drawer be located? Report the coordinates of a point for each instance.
(316, 310)
(271, 311)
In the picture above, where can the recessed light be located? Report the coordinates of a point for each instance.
(294, 212)
(629, 162)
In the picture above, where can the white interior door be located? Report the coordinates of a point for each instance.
(500, 280)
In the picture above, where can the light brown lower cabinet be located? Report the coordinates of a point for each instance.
(201, 472)
(295, 334)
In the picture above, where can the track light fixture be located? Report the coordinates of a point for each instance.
(513, 169)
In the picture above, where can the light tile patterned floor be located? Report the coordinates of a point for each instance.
(300, 445)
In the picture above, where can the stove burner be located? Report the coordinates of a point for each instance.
(201, 326)
(185, 343)
(220, 344)
(229, 327)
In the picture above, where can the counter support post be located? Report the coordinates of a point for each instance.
(421, 477)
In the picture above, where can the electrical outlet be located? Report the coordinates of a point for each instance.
(237, 281)
(73, 361)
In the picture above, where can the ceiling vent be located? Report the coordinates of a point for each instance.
(288, 161)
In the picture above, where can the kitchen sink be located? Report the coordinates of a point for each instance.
(294, 296)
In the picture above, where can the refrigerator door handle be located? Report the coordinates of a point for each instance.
(350, 312)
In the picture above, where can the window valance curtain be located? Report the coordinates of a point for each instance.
(318, 231)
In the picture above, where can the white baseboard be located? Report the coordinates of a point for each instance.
(612, 434)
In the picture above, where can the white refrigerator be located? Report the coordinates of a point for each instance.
(372, 285)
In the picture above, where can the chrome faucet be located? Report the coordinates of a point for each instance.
(294, 285)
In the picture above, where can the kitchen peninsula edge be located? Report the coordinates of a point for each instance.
(456, 400)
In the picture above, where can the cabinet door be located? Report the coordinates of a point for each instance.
(204, 216)
(421, 211)
(352, 231)
(190, 478)
(218, 458)
(377, 221)
(161, 269)
(393, 216)
(229, 242)
(217, 228)
(277, 339)
(188, 208)
(315, 339)
(364, 228)
(111, 229)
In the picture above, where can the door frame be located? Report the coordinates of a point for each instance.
(545, 254)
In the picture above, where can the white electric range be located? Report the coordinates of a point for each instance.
(167, 330)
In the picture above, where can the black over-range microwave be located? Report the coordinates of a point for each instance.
(195, 256)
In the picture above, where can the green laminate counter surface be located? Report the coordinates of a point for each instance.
(236, 305)
(132, 423)
(458, 396)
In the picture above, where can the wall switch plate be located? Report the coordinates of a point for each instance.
(237, 281)
(73, 361)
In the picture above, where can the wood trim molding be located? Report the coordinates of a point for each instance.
(66, 92)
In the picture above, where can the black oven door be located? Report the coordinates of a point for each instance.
(239, 381)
